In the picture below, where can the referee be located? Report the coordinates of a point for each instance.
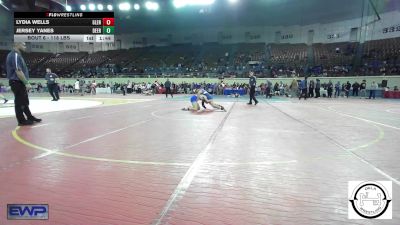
(252, 84)
(18, 75)
(52, 85)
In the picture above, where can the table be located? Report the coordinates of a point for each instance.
(391, 94)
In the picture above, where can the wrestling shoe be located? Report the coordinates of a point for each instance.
(25, 123)
(5, 101)
(34, 119)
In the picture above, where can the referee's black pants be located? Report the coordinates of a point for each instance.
(53, 90)
(21, 101)
(253, 95)
(168, 90)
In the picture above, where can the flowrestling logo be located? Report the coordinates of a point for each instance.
(370, 200)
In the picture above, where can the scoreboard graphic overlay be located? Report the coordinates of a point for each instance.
(64, 26)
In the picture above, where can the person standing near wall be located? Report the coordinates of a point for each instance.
(355, 86)
(76, 86)
(303, 89)
(18, 76)
(337, 89)
(81, 86)
(330, 89)
(167, 85)
(93, 86)
(374, 87)
(311, 89)
(363, 89)
(347, 88)
(52, 84)
(317, 88)
(252, 86)
(268, 87)
(294, 86)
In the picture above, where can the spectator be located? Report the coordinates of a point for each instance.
(93, 88)
(129, 87)
(268, 87)
(347, 88)
(281, 89)
(317, 88)
(124, 89)
(355, 86)
(374, 87)
(303, 89)
(76, 86)
(330, 89)
(363, 87)
(337, 89)
(294, 86)
(81, 83)
(167, 85)
(311, 89)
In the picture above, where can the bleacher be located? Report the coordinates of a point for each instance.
(378, 56)
(386, 50)
(249, 52)
(381, 57)
(292, 54)
(62, 62)
(334, 54)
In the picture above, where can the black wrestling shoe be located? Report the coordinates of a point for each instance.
(5, 101)
(25, 123)
(34, 119)
(256, 103)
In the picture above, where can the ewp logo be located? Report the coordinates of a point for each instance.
(27, 211)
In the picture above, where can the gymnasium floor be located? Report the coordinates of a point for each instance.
(141, 160)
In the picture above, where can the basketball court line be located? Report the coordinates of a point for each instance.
(359, 118)
(187, 179)
(359, 157)
(48, 152)
(374, 112)
(391, 111)
(381, 135)
(55, 152)
(91, 158)
(103, 104)
(92, 115)
(97, 137)
(341, 146)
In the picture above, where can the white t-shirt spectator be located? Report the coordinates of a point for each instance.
(76, 85)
